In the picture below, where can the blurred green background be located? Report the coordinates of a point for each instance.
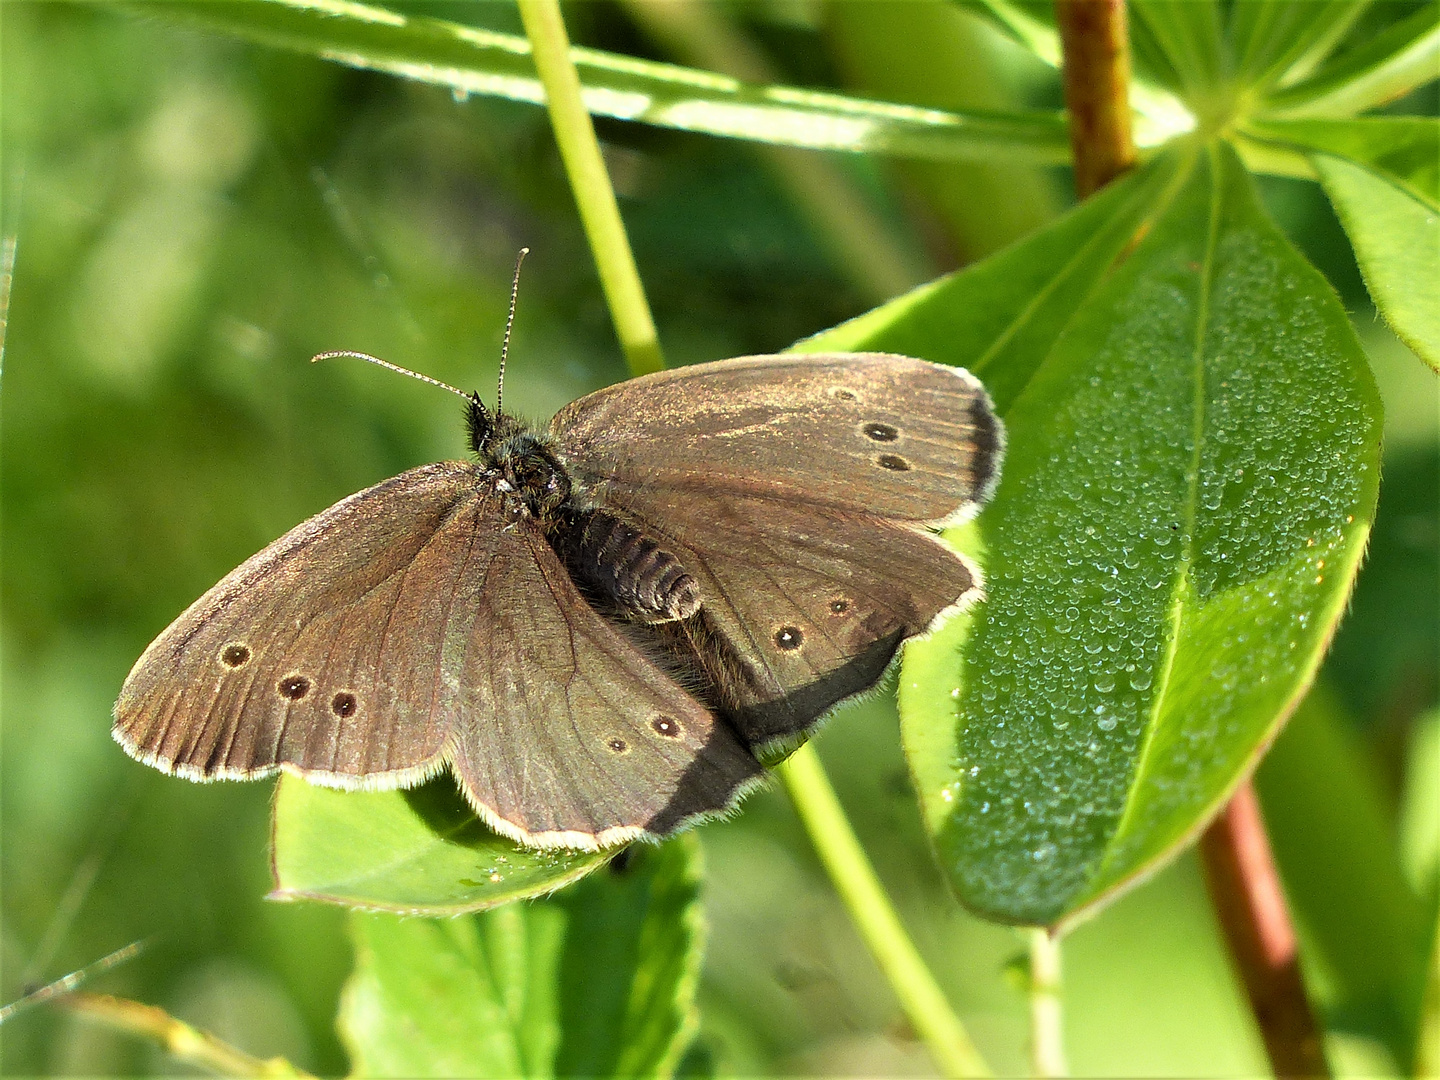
(194, 217)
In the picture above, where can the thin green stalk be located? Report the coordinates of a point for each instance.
(190, 1045)
(854, 878)
(920, 996)
(1047, 1041)
(600, 213)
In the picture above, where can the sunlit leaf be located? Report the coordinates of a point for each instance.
(1190, 478)
(599, 981)
(1283, 40)
(1388, 66)
(1396, 236)
(421, 851)
(631, 967)
(469, 60)
(1407, 148)
(1186, 34)
(998, 318)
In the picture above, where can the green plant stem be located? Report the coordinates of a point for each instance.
(1047, 1043)
(189, 1044)
(920, 996)
(1427, 1043)
(594, 195)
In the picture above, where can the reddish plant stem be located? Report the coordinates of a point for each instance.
(1096, 47)
(1250, 904)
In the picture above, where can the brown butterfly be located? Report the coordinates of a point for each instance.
(601, 628)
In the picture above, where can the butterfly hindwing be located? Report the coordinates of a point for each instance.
(570, 735)
(800, 608)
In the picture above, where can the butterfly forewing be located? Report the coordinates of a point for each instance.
(323, 652)
(888, 435)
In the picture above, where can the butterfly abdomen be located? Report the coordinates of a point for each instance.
(630, 569)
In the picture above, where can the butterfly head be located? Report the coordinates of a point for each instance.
(479, 425)
(524, 466)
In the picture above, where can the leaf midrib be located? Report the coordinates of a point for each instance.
(1187, 552)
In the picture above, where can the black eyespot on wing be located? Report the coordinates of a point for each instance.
(839, 606)
(789, 638)
(881, 432)
(667, 726)
(618, 745)
(893, 462)
(294, 687)
(344, 704)
(235, 655)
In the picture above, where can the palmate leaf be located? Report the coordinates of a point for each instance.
(1403, 149)
(1382, 174)
(1388, 66)
(1283, 40)
(598, 982)
(1192, 470)
(1396, 237)
(1180, 41)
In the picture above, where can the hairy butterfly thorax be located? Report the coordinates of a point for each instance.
(522, 466)
(621, 565)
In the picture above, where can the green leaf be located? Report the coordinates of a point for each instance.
(599, 981)
(474, 61)
(1186, 34)
(473, 996)
(999, 317)
(1407, 148)
(1388, 66)
(1396, 237)
(421, 851)
(1029, 24)
(631, 967)
(1190, 479)
(1283, 40)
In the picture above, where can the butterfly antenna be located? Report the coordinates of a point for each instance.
(386, 364)
(509, 325)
